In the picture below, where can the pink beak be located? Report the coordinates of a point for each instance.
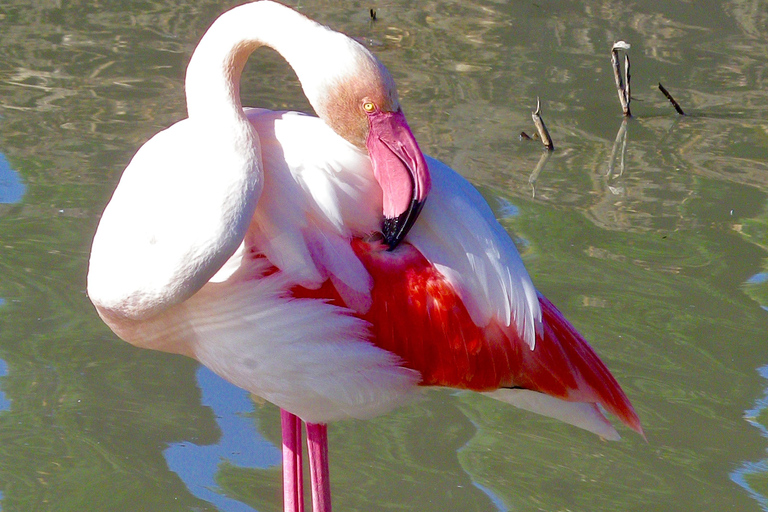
(401, 170)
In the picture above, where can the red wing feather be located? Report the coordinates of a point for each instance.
(417, 315)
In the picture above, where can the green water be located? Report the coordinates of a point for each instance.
(654, 247)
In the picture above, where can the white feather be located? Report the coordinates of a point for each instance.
(458, 233)
(319, 192)
(578, 414)
(251, 332)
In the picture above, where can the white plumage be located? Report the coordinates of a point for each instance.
(219, 218)
(318, 191)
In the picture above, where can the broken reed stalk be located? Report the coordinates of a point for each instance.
(671, 99)
(542, 129)
(627, 76)
(622, 84)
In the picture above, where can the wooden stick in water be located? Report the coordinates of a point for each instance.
(542, 129)
(671, 99)
(627, 76)
(622, 84)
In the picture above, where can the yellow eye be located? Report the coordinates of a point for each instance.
(369, 106)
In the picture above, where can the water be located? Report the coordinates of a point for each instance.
(240, 443)
(651, 238)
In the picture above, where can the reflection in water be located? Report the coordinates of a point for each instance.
(240, 444)
(11, 187)
(507, 210)
(755, 287)
(746, 474)
(759, 278)
(621, 141)
(497, 501)
(747, 470)
(5, 404)
(537, 170)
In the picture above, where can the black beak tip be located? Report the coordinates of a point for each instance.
(390, 231)
(395, 229)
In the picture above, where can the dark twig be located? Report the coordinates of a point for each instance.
(622, 85)
(542, 129)
(373, 14)
(671, 99)
(627, 76)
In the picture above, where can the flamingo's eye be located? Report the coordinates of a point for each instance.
(369, 107)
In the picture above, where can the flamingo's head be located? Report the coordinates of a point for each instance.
(360, 103)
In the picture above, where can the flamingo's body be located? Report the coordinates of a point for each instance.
(242, 239)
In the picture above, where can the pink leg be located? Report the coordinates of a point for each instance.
(317, 444)
(293, 490)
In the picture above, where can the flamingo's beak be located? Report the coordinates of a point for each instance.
(401, 170)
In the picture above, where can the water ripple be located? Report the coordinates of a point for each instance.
(240, 444)
(11, 187)
(5, 404)
(750, 470)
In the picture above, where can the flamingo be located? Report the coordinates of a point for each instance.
(323, 263)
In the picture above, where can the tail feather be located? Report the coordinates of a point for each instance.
(565, 366)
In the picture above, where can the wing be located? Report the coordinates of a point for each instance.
(319, 192)
(418, 315)
(458, 233)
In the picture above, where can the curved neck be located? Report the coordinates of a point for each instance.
(213, 75)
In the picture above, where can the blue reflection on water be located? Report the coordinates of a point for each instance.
(758, 278)
(507, 210)
(240, 444)
(740, 474)
(11, 187)
(5, 404)
(495, 498)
